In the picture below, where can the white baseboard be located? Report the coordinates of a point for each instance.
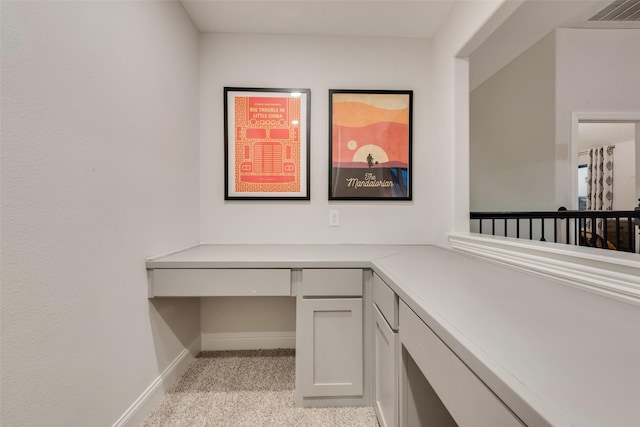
(247, 340)
(151, 397)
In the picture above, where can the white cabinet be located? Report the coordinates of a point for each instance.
(332, 282)
(465, 396)
(386, 372)
(219, 282)
(329, 335)
(386, 300)
(386, 354)
(332, 343)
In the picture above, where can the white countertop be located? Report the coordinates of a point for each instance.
(555, 354)
(548, 350)
(276, 256)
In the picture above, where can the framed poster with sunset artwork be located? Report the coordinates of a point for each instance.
(370, 144)
(266, 143)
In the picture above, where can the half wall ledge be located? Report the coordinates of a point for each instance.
(610, 273)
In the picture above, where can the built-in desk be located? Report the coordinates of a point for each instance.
(277, 256)
(252, 270)
(552, 354)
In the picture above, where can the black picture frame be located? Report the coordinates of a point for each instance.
(267, 137)
(370, 144)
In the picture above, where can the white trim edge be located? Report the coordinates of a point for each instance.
(615, 274)
(247, 340)
(151, 397)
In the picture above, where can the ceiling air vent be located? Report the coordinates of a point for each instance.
(619, 11)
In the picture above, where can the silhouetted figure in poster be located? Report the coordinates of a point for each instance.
(370, 160)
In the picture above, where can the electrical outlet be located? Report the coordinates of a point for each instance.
(334, 218)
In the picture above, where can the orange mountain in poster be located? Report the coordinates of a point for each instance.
(355, 114)
(370, 125)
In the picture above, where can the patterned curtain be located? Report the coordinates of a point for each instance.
(600, 182)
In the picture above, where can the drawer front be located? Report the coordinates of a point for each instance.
(469, 401)
(386, 300)
(332, 282)
(220, 282)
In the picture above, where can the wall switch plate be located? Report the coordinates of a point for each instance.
(334, 218)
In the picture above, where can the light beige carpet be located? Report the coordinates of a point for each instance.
(246, 388)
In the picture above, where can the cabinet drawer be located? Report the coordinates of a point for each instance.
(332, 282)
(386, 300)
(466, 397)
(169, 282)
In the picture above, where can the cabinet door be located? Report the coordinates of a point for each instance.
(331, 350)
(386, 371)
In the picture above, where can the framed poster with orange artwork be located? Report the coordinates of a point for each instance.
(370, 135)
(266, 143)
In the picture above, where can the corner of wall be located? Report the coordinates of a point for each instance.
(156, 391)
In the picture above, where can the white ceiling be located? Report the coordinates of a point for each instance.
(596, 134)
(364, 18)
(528, 24)
(396, 18)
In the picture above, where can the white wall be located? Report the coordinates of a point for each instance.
(622, 136)
(513, 135)
(638, 164)
(254, 320)
(99, 171)
(318, 63)
(467, 26)
(624, 186)
(597, 70)
(440, 173)
(624, 175)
